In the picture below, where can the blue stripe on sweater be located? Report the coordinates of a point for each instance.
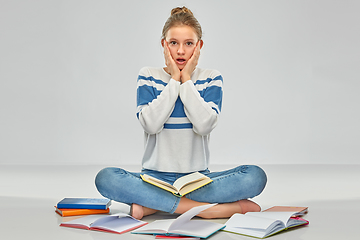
(152, 79)
(213, 94)
(178, 109)
(146, 94)
(178, 126)
(209, 80)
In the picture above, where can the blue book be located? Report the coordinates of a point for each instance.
(84, 203)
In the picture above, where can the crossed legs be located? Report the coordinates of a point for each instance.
(231, 189)
(222, 210)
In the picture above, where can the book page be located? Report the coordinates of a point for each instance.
(183, 225)
(194, 185)
(259, 233)
(293, 222)
(282, 216)
(106, 219)
(252, 225)
(185, 217)
(158, 226)
(187, 179)
(198, 228)
(118, 223)
(249, 221)
(85, 221)
(159, 183)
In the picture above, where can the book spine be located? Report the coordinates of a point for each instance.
(82, 206)
(76, 212)
(194, 188)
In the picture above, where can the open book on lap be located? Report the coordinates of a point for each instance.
(181, 186)
(262, 224)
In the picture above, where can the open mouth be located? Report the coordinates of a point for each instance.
(180, 60)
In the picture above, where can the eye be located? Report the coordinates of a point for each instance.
(189, 43)
(172, 43)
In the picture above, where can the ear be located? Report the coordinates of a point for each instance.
(201, 43)
(163, 42)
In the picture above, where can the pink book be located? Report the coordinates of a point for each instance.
(300, 211)
(116, 223)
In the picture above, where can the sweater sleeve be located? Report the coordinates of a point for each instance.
(202, 107)
(155, 101)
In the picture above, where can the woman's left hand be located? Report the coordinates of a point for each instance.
(191, 64)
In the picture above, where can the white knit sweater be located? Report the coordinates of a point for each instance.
(178, 118)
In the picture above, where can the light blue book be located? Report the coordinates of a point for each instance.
(84, 203)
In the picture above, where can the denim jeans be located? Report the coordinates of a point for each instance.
(117, 184)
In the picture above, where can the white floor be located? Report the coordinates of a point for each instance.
(28, 194)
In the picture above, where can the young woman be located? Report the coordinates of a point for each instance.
(178, 106)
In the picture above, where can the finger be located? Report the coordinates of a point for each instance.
(165, 46)
(167, 53)
(198, 47)
(193, 61)
(196, 54)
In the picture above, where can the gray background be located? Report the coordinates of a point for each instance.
(68, 73)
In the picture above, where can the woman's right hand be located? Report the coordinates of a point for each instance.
(171, 66)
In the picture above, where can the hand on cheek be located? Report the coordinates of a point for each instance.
(172, 68)
(191, 64)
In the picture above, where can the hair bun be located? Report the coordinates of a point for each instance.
(182, 16)
(178, 10)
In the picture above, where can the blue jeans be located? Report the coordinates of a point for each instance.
(231, 185)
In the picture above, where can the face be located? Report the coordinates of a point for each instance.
(182, 41)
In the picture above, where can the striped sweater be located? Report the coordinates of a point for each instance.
(178, 118)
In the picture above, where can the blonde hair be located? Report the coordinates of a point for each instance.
(182, 16)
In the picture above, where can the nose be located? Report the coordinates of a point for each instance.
(181, 50)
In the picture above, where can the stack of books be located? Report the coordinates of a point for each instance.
(120, 223)
(97, 218)
(82, 206)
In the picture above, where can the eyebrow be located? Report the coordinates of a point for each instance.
(190, 39)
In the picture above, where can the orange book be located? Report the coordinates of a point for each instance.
(65, 212)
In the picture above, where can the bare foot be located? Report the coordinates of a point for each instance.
(249, 206)
(226, 210)
(138, 211)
